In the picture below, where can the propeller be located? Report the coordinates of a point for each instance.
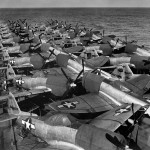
(69, 79)
(109, 44)
(40, 37)
(116, 42)
(35, 47)
(126, 41)
(28, 50)
(46, 60)
(136, 120)
(82, 71)
(52, 52)
(72, 83)
(48, 22)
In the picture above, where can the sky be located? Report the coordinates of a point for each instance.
(73, 3)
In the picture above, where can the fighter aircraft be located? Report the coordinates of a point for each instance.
(106, 94)
(112, 45)
(67, 79)
(93, 60)
(57, 133)
(14, 81)
(138, 84)
(52, 80)
(36, 61)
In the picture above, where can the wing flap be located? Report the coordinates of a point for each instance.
(25, 94)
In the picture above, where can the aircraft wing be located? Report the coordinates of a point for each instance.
(28, 65)
(114, 118)
(89, 103)
(15, 52)
(18, 67)
(139, 84)
(23, 94)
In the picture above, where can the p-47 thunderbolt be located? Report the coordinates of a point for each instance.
(90, 136)
(52, 80)
(105, 94)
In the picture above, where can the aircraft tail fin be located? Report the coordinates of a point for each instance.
(128, 70)
(10, 73)
(13, 107)
(6, 56)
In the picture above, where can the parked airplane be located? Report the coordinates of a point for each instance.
(13, 82)
(52, 80)
(36, 61)
(105, 93)
(59, 135)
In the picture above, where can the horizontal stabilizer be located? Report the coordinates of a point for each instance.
(6, 117)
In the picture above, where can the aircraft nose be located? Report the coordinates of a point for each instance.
(62, 59)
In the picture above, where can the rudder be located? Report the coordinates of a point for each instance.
(10, 73)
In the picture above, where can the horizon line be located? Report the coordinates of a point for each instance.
(70, 7)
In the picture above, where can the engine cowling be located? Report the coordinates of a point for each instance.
(92, 138)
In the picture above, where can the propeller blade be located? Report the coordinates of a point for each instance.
(109, 44)
(40, 36)
(52, 53)
(83, 65)
(117, 42)
(48, 22)
(82, 71)
(42, 56)
(65, 75)
(114, 140)
(79, 75)
(132, 106)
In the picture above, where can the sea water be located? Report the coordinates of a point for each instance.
(131, 22)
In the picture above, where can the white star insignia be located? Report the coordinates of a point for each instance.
(28, 124)
(67, 104)
(122, 110)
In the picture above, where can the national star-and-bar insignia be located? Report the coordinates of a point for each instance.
(20, 81)
(122, 110)
(67, 104)
(12, 62)
(28, 124)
